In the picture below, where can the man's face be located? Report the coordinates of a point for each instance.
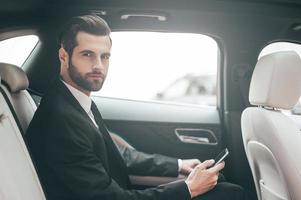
(89, 62)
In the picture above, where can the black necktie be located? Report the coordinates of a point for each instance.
(118, 169)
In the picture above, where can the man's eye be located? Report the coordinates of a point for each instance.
(87, 54)
(106, 57)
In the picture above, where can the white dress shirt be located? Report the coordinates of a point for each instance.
(84, 100)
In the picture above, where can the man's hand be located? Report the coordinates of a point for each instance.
(201, 179)
(188, 165)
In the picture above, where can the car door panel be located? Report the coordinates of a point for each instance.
(154, 127)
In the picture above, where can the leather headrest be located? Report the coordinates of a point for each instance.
(13, 77)
(276, 80)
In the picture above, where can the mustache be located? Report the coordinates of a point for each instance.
(96, 73)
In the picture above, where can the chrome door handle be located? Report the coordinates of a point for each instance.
(193, 139)
(196, 136)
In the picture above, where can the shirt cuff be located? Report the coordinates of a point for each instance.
(180, 163)
(188, 189)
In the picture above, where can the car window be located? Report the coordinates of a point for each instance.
(16, 50)
(284, 46)
(173, 67)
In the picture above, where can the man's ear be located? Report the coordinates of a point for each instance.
(64, 57)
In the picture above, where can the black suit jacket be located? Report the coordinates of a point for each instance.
(77, 160)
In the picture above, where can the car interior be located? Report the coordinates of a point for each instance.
(253, 115)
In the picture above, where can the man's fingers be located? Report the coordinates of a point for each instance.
(189, 170)
(206, 164)
(217, 167)
(195, 162)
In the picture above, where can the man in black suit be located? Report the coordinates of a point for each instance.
(73, 151)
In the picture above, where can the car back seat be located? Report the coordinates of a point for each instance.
(18, 178)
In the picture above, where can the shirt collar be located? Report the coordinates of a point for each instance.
(84, 100)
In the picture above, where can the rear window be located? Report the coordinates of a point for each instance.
(16, 50)
(156, 66)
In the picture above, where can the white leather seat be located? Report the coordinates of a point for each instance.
(271, 139)
(15, 83)
(18, 179)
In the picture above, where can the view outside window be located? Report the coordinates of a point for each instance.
(284, 46)
(16, 50)
(173, 67)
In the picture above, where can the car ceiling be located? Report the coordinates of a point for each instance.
(227, 16)
(244, 14)
(22, 5)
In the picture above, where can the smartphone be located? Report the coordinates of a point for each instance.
(221, 156)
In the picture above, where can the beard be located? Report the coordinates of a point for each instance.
(83, 80)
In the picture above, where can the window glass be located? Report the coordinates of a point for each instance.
(16, 50)
(174, 67)
(284, 46)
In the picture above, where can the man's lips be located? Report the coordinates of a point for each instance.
(96, 76)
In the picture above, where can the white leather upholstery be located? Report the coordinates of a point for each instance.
(276, 80)
(14, 77)
(18, 179)
(15, 85)
(271, 139)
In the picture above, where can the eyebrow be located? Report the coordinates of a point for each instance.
(89, 51)
(86, 51)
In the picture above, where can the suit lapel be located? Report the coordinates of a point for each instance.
(118, 167)
(65, 92)
(73, 101)
(113, 162)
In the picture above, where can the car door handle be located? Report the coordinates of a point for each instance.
(193, 139)
(196, 136)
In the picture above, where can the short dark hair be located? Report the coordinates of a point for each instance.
(92, 24)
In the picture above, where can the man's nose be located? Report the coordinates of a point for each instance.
(98, 63)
